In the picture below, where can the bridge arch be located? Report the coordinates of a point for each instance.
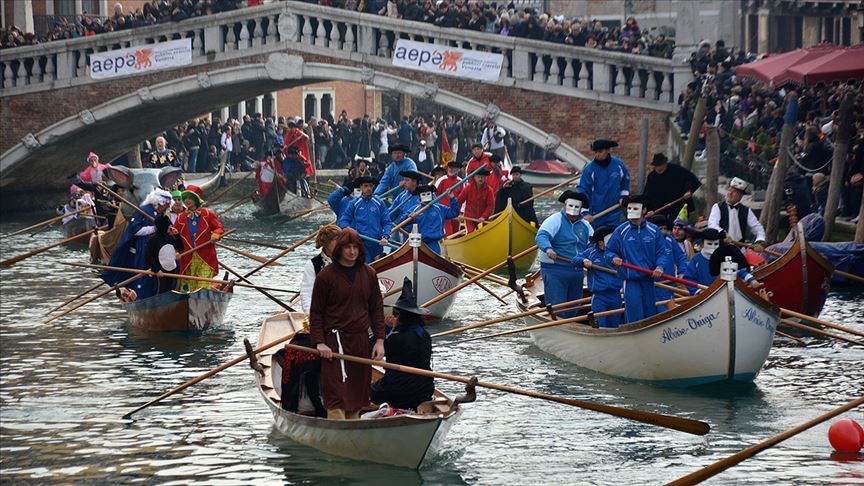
(111, 127)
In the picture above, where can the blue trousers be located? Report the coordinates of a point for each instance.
(662, 294)
(639, 300)
(561, 284)
(612, 219)
(607, 300)
(372, 250)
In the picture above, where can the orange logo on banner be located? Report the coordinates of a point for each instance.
(450, 60)
(142, 58)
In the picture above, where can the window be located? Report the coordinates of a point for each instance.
(318, 101)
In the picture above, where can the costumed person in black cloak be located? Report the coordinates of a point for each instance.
(162, 251)
(300, 386)
(407, 344)
(131, 252)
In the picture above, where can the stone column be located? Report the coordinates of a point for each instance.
(762, 45)
(687, 34)
(134, 157)
(23, 14)
(79, 7)
(811, 29)
(103, 8)
(407, 105)
(259, 104)
(275, 104)
(241, 110)
(224, 113)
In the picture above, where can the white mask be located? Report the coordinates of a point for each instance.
(728, 270)
(606, 239)
(425, 197)
(357, 192)
(634, 210)
(572, 207)
(708, 247)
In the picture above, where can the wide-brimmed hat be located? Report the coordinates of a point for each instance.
(661, 220)
(483, 172)
(412, 174)
(407, 301)
(424, 188)
(571, 194)
(712, 234)
(439, 169)
(176, 194)
(601, 233)
(516, 169)
(455, 163)
(659, 159)
(398, 147)
(363, 180)
(635, 198)
(195, 193)
(603, 144)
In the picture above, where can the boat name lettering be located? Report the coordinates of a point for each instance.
(671, 333)
(703, 321)
(751, 315)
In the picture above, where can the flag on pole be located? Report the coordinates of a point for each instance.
(446, 152)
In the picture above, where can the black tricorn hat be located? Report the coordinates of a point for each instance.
(483, 172)
(363, 180)
(602, 144)
(424, 188)
(413, 174)
(720, 255)
(398, 147)
(407, 301)
(659, 159)
(635, 198)
(661, 220)
(515, 169)
(439, 169)
(571, 194)
(712, 234)
(455, 163)
(601, 233)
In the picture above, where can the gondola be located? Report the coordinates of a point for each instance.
(799, 280)
(77, 225)
(403, 440)
(179, 311)
(279, 200)
(489, 245)
(546, 173)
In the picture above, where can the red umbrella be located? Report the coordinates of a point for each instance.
(774, 69)
(841, 65)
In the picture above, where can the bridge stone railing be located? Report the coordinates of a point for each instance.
(362, 38)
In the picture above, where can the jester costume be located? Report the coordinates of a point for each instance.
(197, 226)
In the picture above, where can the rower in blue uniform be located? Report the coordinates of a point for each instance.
(675, 265)
(606, 182)
(405, 199)
(368, 215)
(699, 268)
(605, 288)
(339, 199)
(399, 163)
(430, 223)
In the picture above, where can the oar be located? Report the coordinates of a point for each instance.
(592, 217)
(208, 374)
(665, 207)
(468, 269)
(390, 191)
(250, 242)
(724, 464)
(286, 251)
(676, 423)
(237, 204)
(259, 289)
(434, 201)
(215, 198)
(13, 260)
(788, 336)
(305, 213)
(175, 275)
(821, 322)
(665, 276)
(551, 189)
(43, 223)
(247, 254)
(531, 312)
(613, 272)
(479, 276)
(802, 327)
(64, 304)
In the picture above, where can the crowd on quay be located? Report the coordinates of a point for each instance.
(750, 117)
(151, 13)
(506, 20)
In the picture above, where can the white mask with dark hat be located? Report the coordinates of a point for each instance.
(572, 207)
(426, 197)
(709, 246)
(634, 210)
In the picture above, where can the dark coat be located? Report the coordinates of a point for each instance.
(664, 188)
(408, 345)
(518, 192)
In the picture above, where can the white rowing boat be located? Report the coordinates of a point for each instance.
(723, 333)
(403, 440)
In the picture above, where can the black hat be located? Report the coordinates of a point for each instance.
(659, 159)
(292, 150)
(477, 145)
(407, 301)
(401, 148)
(483, 172)
(516, 169)
(601, 144)
(455, 163)
(635, 198)
(363, 180)
(424, 188)
(601, 233)
(413, 174)
(720, 255)
(571, 194)
(713, 234)
(439, 169)
(661, 220)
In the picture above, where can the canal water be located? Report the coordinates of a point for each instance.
(64, 387)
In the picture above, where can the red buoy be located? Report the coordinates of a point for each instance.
(846, 435)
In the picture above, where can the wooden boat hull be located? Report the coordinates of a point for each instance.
(487, 246)
(723, 334)
(544, 179)
(177, 311)
(77, 226)
(281, 201)
(435, 275)
(404, 440)
(799, 280)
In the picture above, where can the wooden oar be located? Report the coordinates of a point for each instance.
(259, 289)
(286, 251)
(592, 217)
(802, 327)
(468, 269)
(676, 423)
(305, 213)
(43, 223)
(551, 189)
(788, 336)
(850, 276)
(250, 242)
(208, 374)
(478, 276)
(14, 260)
(175, 275)
(613, 272)
(531, 312)
(431, 203)
(667, 277)
(247, 254)
(237, 204)
(221, 193)
(821, 322)
(724, 464)
(64, 304)
(665, 207)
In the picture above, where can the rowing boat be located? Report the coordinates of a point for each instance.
(488, 245)
(179, 311)
(279, 200)
(76, 226)
(546, 173)
(799, 280)
(434, 276)
(403, 440)
(724, 333)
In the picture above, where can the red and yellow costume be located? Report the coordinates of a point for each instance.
(196, 227)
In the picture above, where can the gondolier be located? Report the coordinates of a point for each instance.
(605, 288)
(197, 225)
(735, 218)
(443, 184)
(516, 190)
(479, 200)
(177, 208)
(564, 235)
(368, 215)
(326, 241)
(430, 223)
(606, 182)
(492, 163)
(346, 305)
(268, 174)
(296, 138)
(399, 163)
(666, 183)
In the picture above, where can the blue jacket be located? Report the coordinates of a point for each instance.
(338, 201)
(391, 177)
(698, 271)
(604, 186)
(678, 256)
(368, 216)
(401, 206)
(566, 238)
(430, 223)
(643, 246)
(599, 281)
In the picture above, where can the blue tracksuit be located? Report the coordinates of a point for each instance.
(643, 246)
(605, 186)
(369, 217)
(400, 209)
(698, 271)
(605, 288)
(338, 201)
(676, 266)
(430, 223)
(391, 177)
(562, 282)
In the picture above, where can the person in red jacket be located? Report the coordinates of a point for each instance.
(493, 165)
(451, 179)
(479, 200)
(195, 226)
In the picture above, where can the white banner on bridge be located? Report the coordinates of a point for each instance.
(449, 61)
(141, 59)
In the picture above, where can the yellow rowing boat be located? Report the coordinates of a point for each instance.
(489, 245)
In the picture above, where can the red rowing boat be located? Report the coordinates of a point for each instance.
(799, 280)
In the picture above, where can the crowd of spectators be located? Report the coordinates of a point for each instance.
(504, 19)
(750, 118)
(151, 13)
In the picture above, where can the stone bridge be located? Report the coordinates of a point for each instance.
(556, 96)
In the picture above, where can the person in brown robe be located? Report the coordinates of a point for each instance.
(346, 303)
